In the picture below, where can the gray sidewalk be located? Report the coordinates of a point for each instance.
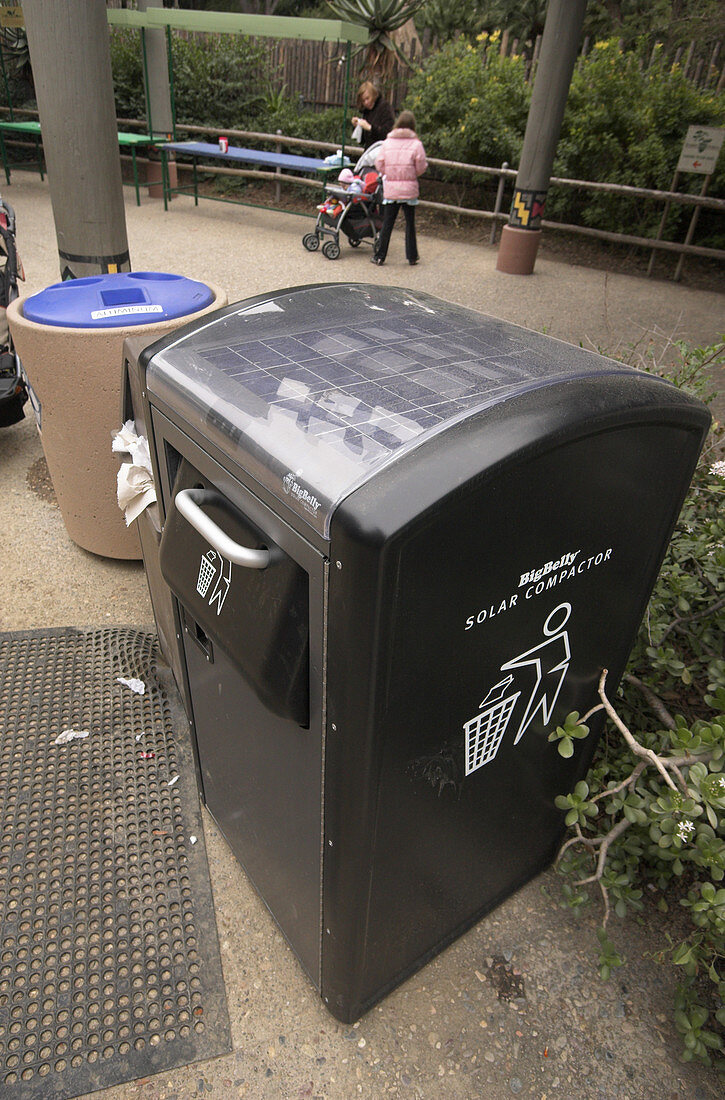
(513, 1007)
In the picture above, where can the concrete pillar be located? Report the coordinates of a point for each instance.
(159, 110)
(70, 56)
(156, 76)
(559, 49)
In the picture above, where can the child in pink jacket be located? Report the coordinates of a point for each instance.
(401, 160)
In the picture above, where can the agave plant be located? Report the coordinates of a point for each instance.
(16, 63)
(381, 18)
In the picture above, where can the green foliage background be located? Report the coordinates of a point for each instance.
(217, 78)
(221, 81)
(674, 22)
(624, 122)
(470, 103)
(626, 125)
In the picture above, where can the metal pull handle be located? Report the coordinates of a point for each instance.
(188, 501)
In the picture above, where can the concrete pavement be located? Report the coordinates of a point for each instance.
(450, 1030)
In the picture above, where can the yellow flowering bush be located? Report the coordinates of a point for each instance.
(471, 104)
(626, 125)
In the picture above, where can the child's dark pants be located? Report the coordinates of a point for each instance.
(390, 213)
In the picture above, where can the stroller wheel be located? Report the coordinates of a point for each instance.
(354, 242)
(311, 242)
(331, 250)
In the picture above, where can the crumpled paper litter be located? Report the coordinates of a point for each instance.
(135, 480)
(136, 685)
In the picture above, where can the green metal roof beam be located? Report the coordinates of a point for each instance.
(262, 26)
(121, 18)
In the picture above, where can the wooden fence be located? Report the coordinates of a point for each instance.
(313, 73)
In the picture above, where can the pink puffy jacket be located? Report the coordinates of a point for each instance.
(401, 160)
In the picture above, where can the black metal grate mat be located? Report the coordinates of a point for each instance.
(109, 958)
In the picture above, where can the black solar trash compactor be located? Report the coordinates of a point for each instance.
(402, 539)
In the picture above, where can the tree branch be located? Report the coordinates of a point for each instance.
(654, 701)
(646, 757)
(605, 895)
(703, 578)
(677, 623)
(589, 713)
(625, 783)
(606, 842)
(572, 841)
(637, 749)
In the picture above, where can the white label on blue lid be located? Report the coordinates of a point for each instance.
(124, 311)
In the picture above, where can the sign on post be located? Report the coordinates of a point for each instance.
(11, 16)
(701, 149)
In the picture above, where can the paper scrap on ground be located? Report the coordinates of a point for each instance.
(135, 480)
(71, 735)
(136, 685)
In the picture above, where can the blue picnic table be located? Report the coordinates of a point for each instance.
(202, 150)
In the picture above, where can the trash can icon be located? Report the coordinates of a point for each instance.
(484, 733)
(207, 572)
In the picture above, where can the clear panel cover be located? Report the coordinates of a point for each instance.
(314, 390)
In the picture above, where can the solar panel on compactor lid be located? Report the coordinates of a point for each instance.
(316, 389)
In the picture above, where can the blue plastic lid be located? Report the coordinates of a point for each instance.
(117, 301)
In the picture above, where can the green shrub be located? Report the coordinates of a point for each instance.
(216, 78)
(17, 89)
(623, 124)
(471, 104)
(312, 125)
(626, 125)
(650, 815)
(218, 83)
(127, 69)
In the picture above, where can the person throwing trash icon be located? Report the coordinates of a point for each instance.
(550, 662)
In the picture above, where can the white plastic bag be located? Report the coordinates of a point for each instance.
(357, 134)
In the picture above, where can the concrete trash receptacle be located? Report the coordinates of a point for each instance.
(70, 340)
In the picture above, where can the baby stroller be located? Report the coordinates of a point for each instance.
(354, 209)
(13, 392)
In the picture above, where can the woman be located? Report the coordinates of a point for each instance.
(400, 161)
(376, 115)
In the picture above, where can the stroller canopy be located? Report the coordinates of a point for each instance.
(367, 160)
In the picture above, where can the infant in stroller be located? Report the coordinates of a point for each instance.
(333, 204)
(352, 205)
